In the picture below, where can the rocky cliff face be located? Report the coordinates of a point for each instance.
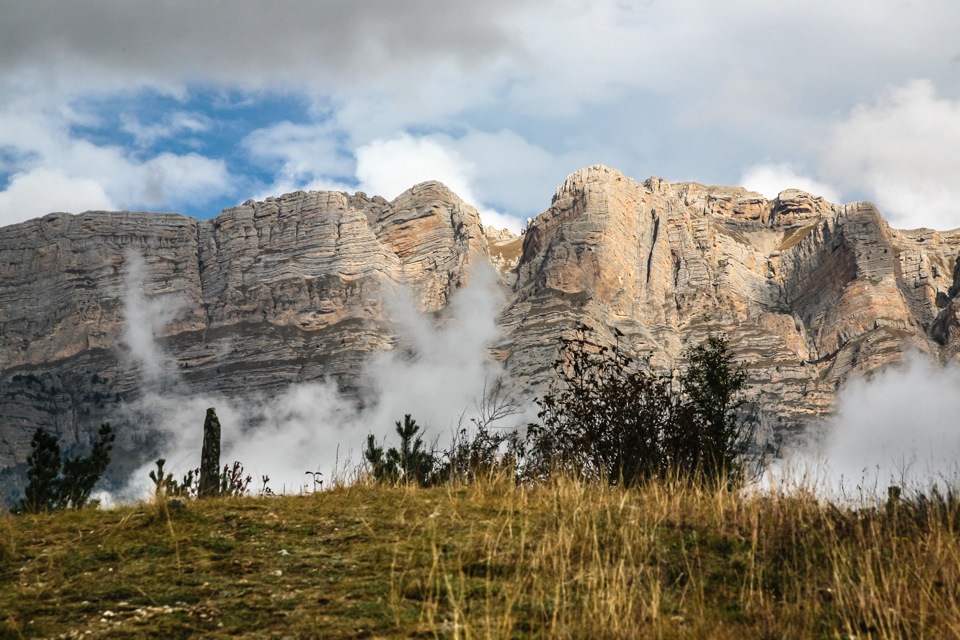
(810, 293)
(292, 289)
(266, 294)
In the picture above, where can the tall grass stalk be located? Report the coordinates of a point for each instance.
(491, 559)
(568, 559)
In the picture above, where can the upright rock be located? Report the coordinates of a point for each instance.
(209, 484)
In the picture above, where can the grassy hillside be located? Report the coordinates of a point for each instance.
(486, 560)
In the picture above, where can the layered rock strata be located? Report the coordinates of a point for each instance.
(809, 293)
(292, 289)
(268, 293)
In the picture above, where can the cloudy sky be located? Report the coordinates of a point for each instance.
(194, 106)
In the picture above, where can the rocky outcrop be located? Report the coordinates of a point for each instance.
(268, 293)
(292, 289)
(809, 293)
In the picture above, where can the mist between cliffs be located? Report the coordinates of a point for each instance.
(439, 375)
(900, 426)
(897, 427)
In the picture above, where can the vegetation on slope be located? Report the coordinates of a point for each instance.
(490, 559)
(621, 516)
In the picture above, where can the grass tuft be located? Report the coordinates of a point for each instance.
(489, 559)
(8, 541)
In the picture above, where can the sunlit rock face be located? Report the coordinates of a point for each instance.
(809, 293)
(294, 289)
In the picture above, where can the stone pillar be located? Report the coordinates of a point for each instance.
(210, 458)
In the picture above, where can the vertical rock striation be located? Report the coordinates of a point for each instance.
(810, 293)
(292, 289)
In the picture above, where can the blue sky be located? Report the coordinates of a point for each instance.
(197, 106)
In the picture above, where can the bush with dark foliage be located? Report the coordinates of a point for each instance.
(605, 418)
(54, 484)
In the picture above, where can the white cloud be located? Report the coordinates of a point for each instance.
(437, 376)
(390, 167)
(46, 191)
(904, 152)
(476, 166)
(300, 156)
(170, 178)
(171, 125)
(58, 170)
(770, 179)
(143, 318)
(899, 427)
(637, 86)
(515, 173)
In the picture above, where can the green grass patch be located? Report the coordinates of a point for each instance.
(488, 560)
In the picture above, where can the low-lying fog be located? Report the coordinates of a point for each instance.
(312, 427)
(902, 426)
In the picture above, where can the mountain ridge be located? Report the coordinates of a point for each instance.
(291, 289)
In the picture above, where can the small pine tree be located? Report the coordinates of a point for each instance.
(412, 462)
(374, 455)
(80, 475)
(46, 489)
(43, 471)
(415, 462)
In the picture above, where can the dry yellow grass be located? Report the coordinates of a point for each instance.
(488, 560)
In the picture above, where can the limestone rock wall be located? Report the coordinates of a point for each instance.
(810, 293)
(292, 289)
(268, 293)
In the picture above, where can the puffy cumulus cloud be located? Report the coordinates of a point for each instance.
(31, 194)
(717, 62)
(515, 174)
(904, 152)
(390, 167)
(479, 167)
(88, 177)
(301, 156)
(497, 220)
(57, 169)
(500, 169)
(770, 179)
